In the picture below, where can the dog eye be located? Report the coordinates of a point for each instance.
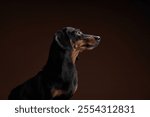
(72, 33)
(78, 33)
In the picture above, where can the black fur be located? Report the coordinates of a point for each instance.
(59, 73)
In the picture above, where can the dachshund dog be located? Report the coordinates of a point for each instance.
(58, 79)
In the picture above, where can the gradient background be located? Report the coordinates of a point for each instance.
(118, 69)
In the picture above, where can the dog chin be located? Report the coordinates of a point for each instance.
(91, 47)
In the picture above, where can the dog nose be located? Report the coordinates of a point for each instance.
(98, 38)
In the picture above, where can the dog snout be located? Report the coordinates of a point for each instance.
(98, 38)
(86, 36)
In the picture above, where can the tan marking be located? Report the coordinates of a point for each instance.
(56, 92)
(74, 55)
(91, 41)
(78, 46)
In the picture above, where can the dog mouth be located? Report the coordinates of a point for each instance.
(90, 46)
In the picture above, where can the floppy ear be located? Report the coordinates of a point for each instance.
(62, 40)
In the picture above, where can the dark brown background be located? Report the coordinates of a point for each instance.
(118, 69)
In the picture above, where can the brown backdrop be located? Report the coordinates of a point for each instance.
(118, 69)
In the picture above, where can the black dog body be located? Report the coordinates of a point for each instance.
(58, 79)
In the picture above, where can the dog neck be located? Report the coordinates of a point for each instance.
(60, 71)
(60, 58)
(74, 55)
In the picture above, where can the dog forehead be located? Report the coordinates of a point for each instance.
(70, 29)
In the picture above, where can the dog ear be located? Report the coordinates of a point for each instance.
(62, 40)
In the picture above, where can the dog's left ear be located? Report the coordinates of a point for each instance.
(62, 40)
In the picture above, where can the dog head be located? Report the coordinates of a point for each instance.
(71, 38)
